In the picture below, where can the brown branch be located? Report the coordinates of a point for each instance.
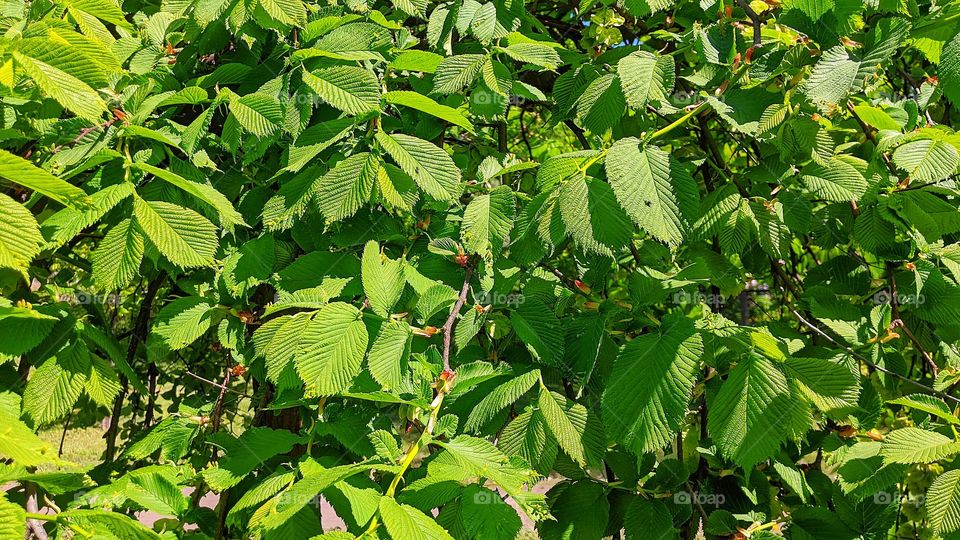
(578, 133)
(139, 335)
(34, 526)
(754, 18)
(452, 319)
(898, 322)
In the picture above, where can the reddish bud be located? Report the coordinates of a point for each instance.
(462, 259)
(728, 11)
(238, 370)
(246, 317)
(910, 266)
(581, 286)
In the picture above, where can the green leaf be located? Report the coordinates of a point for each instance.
(949, 70)
(13, 520)
(183, 321)
(838, 180)
(581, 510)
(927, 404)
(644, 404)
(74, 94)
(487, 221)
(286, 12)
(351, 89)
(943, 503)
(103, 384)
(55, 386)
(500, 398)
(748, 416)
(20, 171)
(423, 103)
(646, 77)
(404, 521)
(20, 444)
(205, 193)
(20, 238)
(537, 326)
(829, 385)
(533, 53)
(244, 454)
(382, 277)
(344, 189)
(601, 105)
(429, 166)
(914, 445)
(648, 519)
(66, 224)
(388, 354)
(109, 525)
(567, 421)
(927, 160)
(333, 344)
(457, 72)
(116, 260)
(183, 236)
(259, 114)
(657, 192)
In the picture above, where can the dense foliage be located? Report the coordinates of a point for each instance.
(693, 265)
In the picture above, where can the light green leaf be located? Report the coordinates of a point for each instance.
(646, 77)
(457, 72)
(404, 521)
(117, 259)
(332, 348)
(423, 103)
(943, 503)
(382, 277)
(657, 192)
(914, 445)
(259, 114)
(74, 94)
(20, 171)
(487, 221)
(351, 89)
(429, 166)
(388, 354)
(183, 236)
(20, 238)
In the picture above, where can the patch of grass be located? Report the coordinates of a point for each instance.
(82, 446)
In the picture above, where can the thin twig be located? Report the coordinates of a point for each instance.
(214, 383)
(898, 321)
(452, 319)
(523, 134)
(861, 358)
